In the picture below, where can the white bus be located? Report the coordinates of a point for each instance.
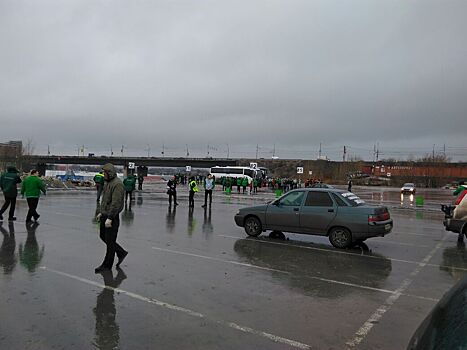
(236, 171)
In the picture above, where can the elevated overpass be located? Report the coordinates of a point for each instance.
(139, 161)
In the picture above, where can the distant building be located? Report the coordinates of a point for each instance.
(11, 149)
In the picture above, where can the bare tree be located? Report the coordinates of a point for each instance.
(29, 147)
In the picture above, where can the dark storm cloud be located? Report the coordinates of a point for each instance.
(293, 73)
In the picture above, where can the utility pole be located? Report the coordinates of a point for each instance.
(208, 151)
(187, 153)
(274, 151)
(344, 154)
(148, 149)
(377, 151)
(48, 150)
(111, 151)
(319, 154)
(123, 147)
(433, 154)
(257, 148)
(228, 151)
(163, 150)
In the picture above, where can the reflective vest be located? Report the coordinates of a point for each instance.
(193, 186)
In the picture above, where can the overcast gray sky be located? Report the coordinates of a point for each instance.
(290, 73)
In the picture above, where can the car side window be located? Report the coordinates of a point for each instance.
(293, 199)
(318, 199)
(340, 202)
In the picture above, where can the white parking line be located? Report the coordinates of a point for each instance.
(233, 325)
(348, 284)
(348, 253)
(380, 311)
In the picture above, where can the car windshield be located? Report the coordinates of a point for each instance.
(409, 184)
(353, 199)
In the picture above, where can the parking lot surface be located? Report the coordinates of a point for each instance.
(193, 280)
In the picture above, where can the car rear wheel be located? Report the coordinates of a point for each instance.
(340, 237)
(253, 226)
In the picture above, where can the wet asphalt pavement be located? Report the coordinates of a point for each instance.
(193, 280)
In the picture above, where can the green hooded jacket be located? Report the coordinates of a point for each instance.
(113, 194)
(8, 182)
(32, 187)
(129, 183)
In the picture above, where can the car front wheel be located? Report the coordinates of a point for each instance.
(340, 237)
(253, 226)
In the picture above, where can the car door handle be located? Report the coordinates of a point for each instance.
(296, 209)
(331, 210)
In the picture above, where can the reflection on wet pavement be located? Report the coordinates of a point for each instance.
(107, 329)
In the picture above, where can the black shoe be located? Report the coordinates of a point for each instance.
(37, 217)
(176, 203)
(101, 269)
(120, 260)
(204, 206)
(12, 218)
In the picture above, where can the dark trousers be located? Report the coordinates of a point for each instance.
(206, 194)
(238, 188)
(244, 189)
(174, 195)
(191, 199)
(140, 186)
(99, 191)
(109, 237)
(32, 213)
(128, 194)
(9, 201)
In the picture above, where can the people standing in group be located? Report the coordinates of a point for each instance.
(109, 217)
(8, 183)
(130, 185)
(31, 188)
(172, 190)
(244, 184)
(193, 188)
(209, 183)
(349, 185)
(99, 181)
(140, 182)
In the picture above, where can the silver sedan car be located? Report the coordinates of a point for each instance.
(338, 214)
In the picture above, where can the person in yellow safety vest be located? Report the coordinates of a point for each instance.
(193, 189)
(99, 181)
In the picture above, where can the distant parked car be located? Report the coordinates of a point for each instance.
(408, 188)
(338, 214)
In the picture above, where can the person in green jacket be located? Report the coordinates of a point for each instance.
(31, 189)
(8, 182)
(99, 181)
(244, 184)
(130, 185)
(239, 183)
(461, 188)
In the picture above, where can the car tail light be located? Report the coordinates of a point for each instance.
(379, 217)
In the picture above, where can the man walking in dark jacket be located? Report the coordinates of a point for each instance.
(8, 182)
(109, 216)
